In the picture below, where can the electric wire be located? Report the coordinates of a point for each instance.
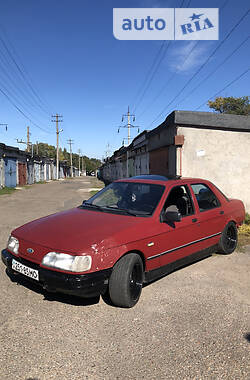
(149, 73)
(16, 100)
(152, 76)
(23, 73)
(16, 90)
(214, 71)
(149, 77)
(224, 88)
(23, 113)
(202, 65)
(169, 80)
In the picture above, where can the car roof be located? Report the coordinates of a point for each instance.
(161, 180)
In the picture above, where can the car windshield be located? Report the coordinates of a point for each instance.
(132, 198)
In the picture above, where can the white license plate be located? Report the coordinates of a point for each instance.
(29, 272)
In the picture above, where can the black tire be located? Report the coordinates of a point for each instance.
(229, 239)
(125, 283)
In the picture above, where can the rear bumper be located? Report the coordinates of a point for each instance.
(84, 285)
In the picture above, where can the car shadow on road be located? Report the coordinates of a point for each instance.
(53, 297)
(247, 337)
(173, 270)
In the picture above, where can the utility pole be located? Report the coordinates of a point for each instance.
(22, 142)
(28, 143)
(70, 142)
(79, 152)
(128, 115)
(28, 139)
(83, 167)
(108, 150)
(57, 120)
(37, 148)
(4, 125)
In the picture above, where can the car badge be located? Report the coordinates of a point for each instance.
(30, 250)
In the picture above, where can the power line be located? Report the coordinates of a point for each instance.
(23, 113)
(22, 74)
(214, 70)
(202, 65)
(11, 93)
(224, 88)
(5, 126)
(152, 76)
(19, 105)
(12, 85)
(149, 71)
(13, 88)
(169, 80)
(181, 4)
(149, 77)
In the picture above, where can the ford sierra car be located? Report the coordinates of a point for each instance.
(130, 233)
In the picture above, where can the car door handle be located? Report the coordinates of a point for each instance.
(194, 220)
(221, 212)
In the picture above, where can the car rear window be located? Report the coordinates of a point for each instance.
(206, 198)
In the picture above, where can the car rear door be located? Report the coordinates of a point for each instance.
(180, 239)
(211, 216)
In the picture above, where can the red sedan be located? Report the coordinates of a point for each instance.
(130, 233)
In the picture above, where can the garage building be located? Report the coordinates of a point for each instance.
(191, 144)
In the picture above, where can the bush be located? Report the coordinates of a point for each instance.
(247, 219)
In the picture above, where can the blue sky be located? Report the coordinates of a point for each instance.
(79, 70)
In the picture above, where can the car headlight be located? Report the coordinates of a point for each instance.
(13, 244)
(67, 262)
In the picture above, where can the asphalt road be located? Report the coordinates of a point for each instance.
(192, 324)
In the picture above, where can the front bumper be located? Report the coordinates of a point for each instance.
(83, 285)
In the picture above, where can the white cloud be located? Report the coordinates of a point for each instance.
(187, 57)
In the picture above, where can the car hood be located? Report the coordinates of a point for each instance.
(81, 230)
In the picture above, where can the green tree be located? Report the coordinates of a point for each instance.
(237, 106)
(46, 150)
(91, 164)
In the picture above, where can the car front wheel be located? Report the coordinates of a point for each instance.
(229, 239)
(125, 284)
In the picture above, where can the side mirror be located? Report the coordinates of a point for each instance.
(171, 215)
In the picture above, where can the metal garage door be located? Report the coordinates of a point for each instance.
(10, 172)
(37, 172)
(22, 173)
(41, 172)
(30, 173)
(137, 165)
(47, 172)
(144, 163)
(1, 173)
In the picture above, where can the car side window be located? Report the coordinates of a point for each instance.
(181, 198)
(206, 198)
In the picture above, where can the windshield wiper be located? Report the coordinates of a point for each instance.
(87, 204)
(123, 210)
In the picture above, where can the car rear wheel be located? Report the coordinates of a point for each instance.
(125, 284)
(229, 239)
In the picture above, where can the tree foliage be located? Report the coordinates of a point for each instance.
(237, 106)
(46, 150)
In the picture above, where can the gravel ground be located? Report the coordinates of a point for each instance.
(192, 324)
